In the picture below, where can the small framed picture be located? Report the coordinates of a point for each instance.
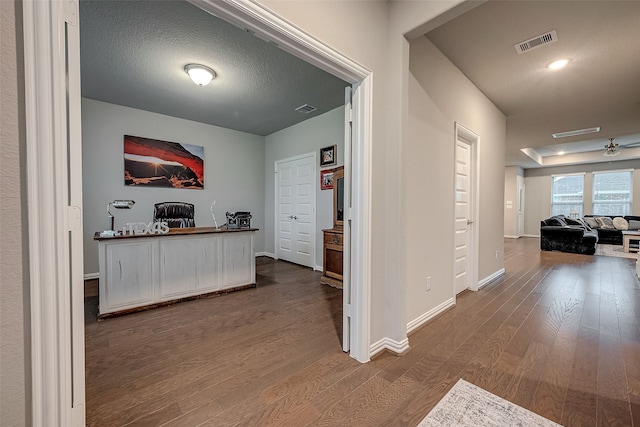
(326, 179)
(328, 156)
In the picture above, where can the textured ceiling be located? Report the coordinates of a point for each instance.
(133, 53)
(599, 87)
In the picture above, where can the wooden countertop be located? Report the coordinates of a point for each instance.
(177, 232)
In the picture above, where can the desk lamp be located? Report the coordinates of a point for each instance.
(118, 204)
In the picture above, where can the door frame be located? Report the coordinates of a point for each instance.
(276, 192)
(48, 122)
(466, 136)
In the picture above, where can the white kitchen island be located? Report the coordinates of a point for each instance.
(138, 272)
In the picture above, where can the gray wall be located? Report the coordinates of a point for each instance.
(15, 381)
(538, 189)
(234, 171)
(306, 137)
(439, 96)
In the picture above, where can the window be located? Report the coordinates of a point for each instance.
(567, 195)
(612, 193)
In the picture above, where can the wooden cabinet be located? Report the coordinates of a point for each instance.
(332, 258)
(332, 263)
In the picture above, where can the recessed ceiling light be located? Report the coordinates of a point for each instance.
(200, 74)
(556, 65)
(560, 153)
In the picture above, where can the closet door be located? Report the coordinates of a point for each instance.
(295, 210)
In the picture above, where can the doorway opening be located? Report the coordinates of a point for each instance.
(60, 376)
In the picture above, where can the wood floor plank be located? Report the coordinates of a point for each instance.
(558, 334)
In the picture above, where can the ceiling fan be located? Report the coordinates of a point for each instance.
(611, 148)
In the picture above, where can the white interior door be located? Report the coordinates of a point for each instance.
(296, 209)
(463, 215)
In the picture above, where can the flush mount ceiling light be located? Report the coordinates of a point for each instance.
(556, 65)
(575, 132)
(200, 74)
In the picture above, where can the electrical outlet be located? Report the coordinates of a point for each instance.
(496, 254)
(428, 283)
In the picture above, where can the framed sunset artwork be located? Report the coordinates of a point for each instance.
(155, 163)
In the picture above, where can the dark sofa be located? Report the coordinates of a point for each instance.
(567, 235)
(611, 236)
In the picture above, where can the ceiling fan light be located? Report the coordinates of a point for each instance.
(200, 74)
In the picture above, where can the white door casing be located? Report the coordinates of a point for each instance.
(465, 221)
(346, 234)
(295, 203)
(54, 198)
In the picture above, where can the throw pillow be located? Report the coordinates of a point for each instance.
(634, 225)
(591, 221)
(577, 222)
(556, 221)
(605, 222)
(620, 223)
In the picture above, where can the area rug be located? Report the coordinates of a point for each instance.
(468, 405)
(614, 250)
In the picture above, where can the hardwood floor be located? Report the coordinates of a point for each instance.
(559, 334)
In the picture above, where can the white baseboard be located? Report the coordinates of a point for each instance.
(484, 282)
(90, 276)
(318, 268)
(397, 347)
(421, 320)
(267, 254)
(506, 236)
(531, 235)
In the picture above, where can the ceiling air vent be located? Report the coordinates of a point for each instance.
(306, 109)
(535, 42)
(576, 132)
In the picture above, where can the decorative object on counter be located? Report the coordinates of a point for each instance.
(137, 228)
(154, 163)
(213, 214)
(175, 214)
(118, 204)
(238, 219)
(326, 179)
(328, 156)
